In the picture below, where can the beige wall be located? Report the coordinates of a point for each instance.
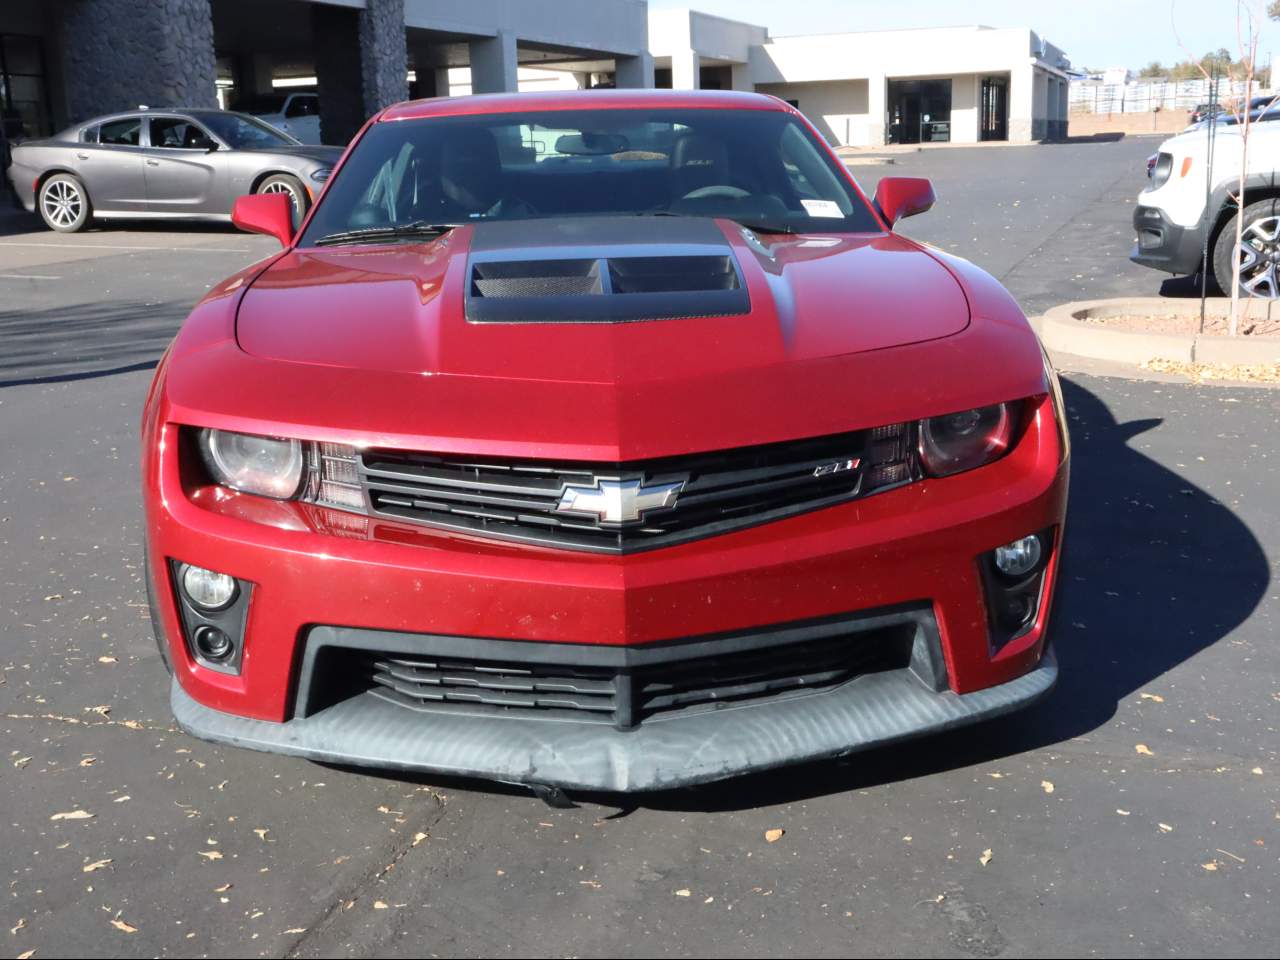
(837, 108)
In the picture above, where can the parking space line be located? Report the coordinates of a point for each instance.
(127, 247)
(27, 276)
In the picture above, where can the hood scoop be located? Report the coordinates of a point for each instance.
(598, 277)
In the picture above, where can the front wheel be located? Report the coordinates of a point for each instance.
(1258, 252)
(291, 187)
(64, 203)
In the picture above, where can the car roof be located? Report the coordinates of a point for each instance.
(581, 100)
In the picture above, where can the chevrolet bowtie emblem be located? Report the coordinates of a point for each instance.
(618, 501)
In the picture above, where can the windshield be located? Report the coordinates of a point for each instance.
(241, 132)
(762, 168)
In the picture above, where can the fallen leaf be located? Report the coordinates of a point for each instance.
(101, 710)
(1046, 786)
(107, 660)
(210, 854)
(1165, 828)
(88, 761)
(261, 832)
(684, 892)
(19, 926)
(379, 905)
(96, 865)
(986, 857)
(418, 838)
(1143, 749)
(1123, 813)
(1210, 866)
(73, 815)
(123, 927)
(21, 762)
(1153, 697)
(296, 930)
(774, 835)
(26, 955)
(1257, 771)
(222, 889)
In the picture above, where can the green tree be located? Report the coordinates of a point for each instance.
(1156, 69)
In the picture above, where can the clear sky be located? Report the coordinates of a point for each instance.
(1093, 33)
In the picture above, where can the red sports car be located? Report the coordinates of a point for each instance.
(606, 441)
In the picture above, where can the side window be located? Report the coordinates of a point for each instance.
(302, 107)
(89, 135)
(176, 133)
(121, 133)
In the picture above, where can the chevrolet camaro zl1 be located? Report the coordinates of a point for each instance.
(603, 441)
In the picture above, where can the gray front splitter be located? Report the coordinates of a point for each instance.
(659, 754)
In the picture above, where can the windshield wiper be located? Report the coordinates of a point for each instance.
(765, 227)
(393, 231)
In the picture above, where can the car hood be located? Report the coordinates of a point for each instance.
(373, 344)
(680, 297)
(326, 155)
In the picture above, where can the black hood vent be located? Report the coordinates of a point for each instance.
(610, 270)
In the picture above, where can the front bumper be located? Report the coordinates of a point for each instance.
(871, 710)
(1164, 245)
(916, 547)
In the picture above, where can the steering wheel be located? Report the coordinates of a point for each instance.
(717, 190)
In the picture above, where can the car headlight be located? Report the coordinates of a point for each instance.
(321, 175)
(1161, 170)
(268, 466)
(961, 441)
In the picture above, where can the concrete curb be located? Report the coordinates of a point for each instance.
(1064, 328)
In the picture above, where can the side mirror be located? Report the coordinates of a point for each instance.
(898, 197)
(211, 146)
(269, 213)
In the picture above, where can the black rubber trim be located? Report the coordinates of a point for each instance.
(1178, 249)
(871, 710)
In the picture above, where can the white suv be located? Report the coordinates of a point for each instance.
(1174, 223)
(297, 114)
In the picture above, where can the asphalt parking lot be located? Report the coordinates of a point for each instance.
(1135, 812)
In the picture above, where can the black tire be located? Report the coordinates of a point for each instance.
(64, 203)
(1225, 244)
(291, 185)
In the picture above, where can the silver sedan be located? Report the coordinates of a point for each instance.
(163, 164)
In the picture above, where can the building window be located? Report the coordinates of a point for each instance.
(24, 98)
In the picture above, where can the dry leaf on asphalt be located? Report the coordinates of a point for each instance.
(1046, 786)
(684, 892)
(210, 854)
(261, 832)
(1154, 697)
(73, 815)
(1143, 749)
(123, 927)
(985, 858)
(774, 835)
(379, 905)
(96, 865)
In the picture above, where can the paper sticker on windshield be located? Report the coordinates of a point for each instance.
(822, 208)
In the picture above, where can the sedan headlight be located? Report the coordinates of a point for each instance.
(268, 466)
(961, 441)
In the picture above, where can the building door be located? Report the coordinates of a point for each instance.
(24, 99)
(919, 111)
(995, 109)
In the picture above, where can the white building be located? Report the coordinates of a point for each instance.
(962, 84)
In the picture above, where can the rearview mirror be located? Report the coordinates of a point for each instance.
(269, 213)
(899, 197)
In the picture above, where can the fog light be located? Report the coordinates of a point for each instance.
(213, 644)
(1019, 558)
(207, 589)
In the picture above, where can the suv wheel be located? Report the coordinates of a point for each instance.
(1258, 253)
(64, 203)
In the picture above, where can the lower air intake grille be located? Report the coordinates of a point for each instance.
(627, 694)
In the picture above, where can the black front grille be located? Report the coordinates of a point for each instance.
(626, 694)
(717, 492)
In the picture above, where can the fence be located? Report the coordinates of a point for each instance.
(1090, 96)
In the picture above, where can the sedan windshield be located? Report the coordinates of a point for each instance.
(242, 132)
(762, 168)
